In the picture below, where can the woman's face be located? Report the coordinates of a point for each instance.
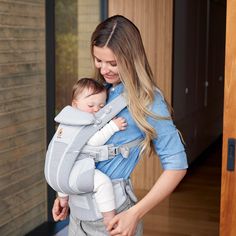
(104, 60)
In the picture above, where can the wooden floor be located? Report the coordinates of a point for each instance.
(193, 209)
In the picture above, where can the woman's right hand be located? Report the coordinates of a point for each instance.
(60, 210)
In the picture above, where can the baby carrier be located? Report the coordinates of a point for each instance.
(69, 146)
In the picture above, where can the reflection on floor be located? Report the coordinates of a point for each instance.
(193, 208)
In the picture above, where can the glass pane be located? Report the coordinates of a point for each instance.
(75, 22)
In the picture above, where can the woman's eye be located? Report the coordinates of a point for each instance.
(98, 60)
(113, 64)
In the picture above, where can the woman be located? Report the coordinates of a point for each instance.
(120, 61)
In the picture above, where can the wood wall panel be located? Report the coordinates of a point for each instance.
(154, 20)
(228, 178)
(22, 116)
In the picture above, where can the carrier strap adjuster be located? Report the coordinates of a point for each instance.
(123, 150)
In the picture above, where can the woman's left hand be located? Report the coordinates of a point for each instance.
(124, 224)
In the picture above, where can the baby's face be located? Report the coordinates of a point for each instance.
(89, 102)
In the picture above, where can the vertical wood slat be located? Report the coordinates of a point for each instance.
(228, 179)
(154, 20)
(22, 115)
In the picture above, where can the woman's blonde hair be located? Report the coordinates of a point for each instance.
(121, 36)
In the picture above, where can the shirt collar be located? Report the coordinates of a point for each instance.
(114, 91)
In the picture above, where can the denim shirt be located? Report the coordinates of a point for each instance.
(168, 143)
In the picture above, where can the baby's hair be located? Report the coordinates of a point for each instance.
(94, 86)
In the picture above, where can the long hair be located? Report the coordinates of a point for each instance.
(121, 36)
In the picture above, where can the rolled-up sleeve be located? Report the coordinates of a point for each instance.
(171, 151)
(168, 143)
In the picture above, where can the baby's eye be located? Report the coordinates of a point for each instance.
(89, 105)
(101, 105)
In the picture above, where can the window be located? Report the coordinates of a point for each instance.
(75, 20)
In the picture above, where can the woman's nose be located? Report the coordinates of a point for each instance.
(104, 68)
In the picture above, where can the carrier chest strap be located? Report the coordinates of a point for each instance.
(109, 111)
(109, 151)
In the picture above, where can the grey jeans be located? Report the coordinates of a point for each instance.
(97, 228)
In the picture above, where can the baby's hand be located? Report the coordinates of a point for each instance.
(63, 201)
(120, 123)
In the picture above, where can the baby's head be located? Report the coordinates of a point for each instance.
(88, 95)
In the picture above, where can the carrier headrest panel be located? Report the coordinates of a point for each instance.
(73, 116)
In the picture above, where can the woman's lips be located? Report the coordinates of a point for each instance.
(108, 76)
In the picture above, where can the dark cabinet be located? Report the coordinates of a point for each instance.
(198, 71)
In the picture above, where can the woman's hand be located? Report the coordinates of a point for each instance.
(60, 210)
(124, 223)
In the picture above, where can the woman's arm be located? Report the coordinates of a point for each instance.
(125, 222)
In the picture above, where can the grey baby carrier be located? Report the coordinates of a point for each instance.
(69, 146)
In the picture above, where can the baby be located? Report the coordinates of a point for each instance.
(90, 96)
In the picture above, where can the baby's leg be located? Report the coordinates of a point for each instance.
(104, 196)
(81, 179)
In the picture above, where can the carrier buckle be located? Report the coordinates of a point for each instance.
(113, 151)
(123, 150)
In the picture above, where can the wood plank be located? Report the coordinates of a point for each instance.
(22, 139)
(16, 92)
(20, 160)
(17, 8)
(7, 32)
(18, 57)
(21, 45)
(33, 216)
(21, 197)
(29, 67)
(228, 189)
(19, 179)
(22, 127)
(32, 21)
(19, 116)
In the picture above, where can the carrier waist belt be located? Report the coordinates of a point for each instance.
(84, 206)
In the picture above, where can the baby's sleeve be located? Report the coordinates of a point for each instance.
(103, 135)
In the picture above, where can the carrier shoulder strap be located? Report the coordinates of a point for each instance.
(72, 116)
(101, 118)
(110, 110)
